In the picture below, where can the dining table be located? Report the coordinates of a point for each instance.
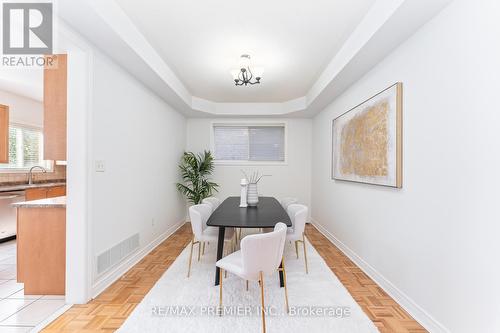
(266, 214)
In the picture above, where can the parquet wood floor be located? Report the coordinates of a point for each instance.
(109, 310)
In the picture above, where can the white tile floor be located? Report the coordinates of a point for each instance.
(19, 312)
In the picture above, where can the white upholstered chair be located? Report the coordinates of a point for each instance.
(212, 201)
(199, 215)
(215, 202)
(298, 215)
(260, 255)
(285, 202)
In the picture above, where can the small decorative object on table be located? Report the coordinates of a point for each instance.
(243, 196)
(252, 193)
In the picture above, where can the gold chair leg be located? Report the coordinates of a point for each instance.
(220, 292)
(297, 249)
(199, 250)
(261, 277)
(190, 257)
(305, 255)
(203, 249)
(284, 284)
(247, 285)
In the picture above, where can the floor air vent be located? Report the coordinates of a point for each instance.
(114, 255)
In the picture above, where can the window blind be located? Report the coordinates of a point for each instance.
(25, 148)
(249, 143)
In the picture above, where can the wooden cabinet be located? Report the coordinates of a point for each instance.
(54, 106)
(41, 250)
(4, 134)
(44, 192)
(57, 191)
(35, 193)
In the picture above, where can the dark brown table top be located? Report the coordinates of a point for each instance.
(266, 214)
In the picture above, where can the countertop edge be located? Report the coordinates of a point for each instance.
(23, 187)
(56, 202)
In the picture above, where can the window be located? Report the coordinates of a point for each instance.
(249, 143)
(25, 149)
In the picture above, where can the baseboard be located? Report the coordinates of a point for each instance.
(419, 314)
(114, 274)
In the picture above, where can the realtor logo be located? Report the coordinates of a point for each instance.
(27, 28)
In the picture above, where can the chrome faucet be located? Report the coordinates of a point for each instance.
(30, 174)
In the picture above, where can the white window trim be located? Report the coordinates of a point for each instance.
(26, 170)
(230, 123)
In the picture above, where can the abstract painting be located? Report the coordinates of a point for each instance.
(367, 140)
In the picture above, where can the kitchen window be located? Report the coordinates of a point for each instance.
(244, 144)
(25, 149)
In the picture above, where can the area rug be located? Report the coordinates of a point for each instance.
(318, 301)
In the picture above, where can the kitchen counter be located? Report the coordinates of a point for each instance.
(57, 202)
(22, 187)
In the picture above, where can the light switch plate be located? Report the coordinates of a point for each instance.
(100, 166)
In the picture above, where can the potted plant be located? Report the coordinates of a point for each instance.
(195, 171)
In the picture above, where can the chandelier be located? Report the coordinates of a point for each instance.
(245, 75)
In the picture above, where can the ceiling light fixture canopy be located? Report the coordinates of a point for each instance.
(244, 75)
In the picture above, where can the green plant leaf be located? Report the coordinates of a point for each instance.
(195, 172)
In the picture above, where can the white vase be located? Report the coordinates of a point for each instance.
(252, 195)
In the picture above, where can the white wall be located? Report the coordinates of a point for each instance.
(291, 179)
(140, 139)
(23, 110)
(79, 257)
(436, 239)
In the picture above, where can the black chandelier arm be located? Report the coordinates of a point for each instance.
(246, 73)
(251, 75)
(245, 77)
(241, 83)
